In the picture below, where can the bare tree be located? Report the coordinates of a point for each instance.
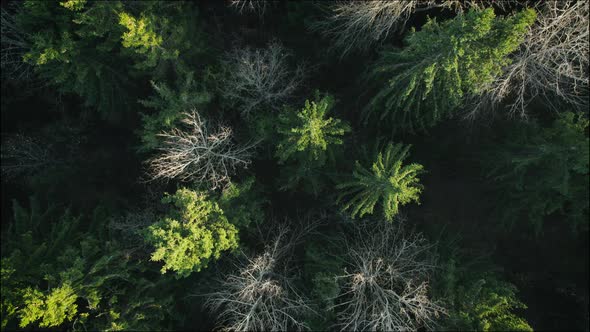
(552, 62)
(197, 153)
(254, 6)
(23, 155)
(261, 296)
(387, 286)
(259, 78)
(14, 44)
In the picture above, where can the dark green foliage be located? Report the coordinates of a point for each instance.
(53, 274)
(243, 203)
(540, 171)
(169, 105)
(388, 181)
(427, 80)
(479, 300)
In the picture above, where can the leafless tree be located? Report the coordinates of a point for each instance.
(386, 288)
(23, 154)
(551, 63)
(198, 153)
(261, 296)
(259, 78)
(361, 24)
(14, 44)
(254, 6)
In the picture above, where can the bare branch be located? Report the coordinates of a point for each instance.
(24, 155)
(261, 296)
(387, 286)
(254, 6)
(552, 63)
(14, 44)
(260, 78)
(198, 154)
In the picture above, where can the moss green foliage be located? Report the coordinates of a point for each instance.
(540, 171)
(194, 232)
(427, 80)
(388, 181)
(308, 139)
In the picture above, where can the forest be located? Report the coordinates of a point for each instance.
(309, 165)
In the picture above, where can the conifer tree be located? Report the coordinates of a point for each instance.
(387, 180)
(308, 137)
(442, 63)
(540, 171)
(193, 233)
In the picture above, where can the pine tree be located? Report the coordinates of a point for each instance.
(427, 81)
(387, 180)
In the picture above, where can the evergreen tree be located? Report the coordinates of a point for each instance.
(540, 171)
(193, 233)
(387, 180)
(57, 274)
(308, 138)
(442, 63)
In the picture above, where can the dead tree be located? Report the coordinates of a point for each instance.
(386, 281)
(551, 63)
(260, 295)
(25, 155)
(253, 6)
(197, 153)
(260, 78)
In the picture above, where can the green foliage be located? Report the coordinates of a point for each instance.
(55, 273)
(307, 140)
(243, 204)
(540, 171)
(169, 104)
(442, 63)
(193, 233)
(307, 133)
(387, 180)
(480, 301)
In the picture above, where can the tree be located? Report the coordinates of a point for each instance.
(198, 153)
(243, 203)
(170, 103)
(385, 284)
(260, 79)
(551, 63)
(57, 274)
(308, 138)
(261, 295)
(428, 80)
(191, 235)
(539, 171)
(477, 298)
(387, 180)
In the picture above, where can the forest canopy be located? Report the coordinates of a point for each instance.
(318, 165)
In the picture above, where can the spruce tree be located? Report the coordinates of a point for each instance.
(387, 180)
(427, 80)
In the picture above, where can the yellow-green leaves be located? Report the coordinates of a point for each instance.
(140, 34)
(73, 5)
(387, 181)
(52, 309)
(192, 234)
(309, 132)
